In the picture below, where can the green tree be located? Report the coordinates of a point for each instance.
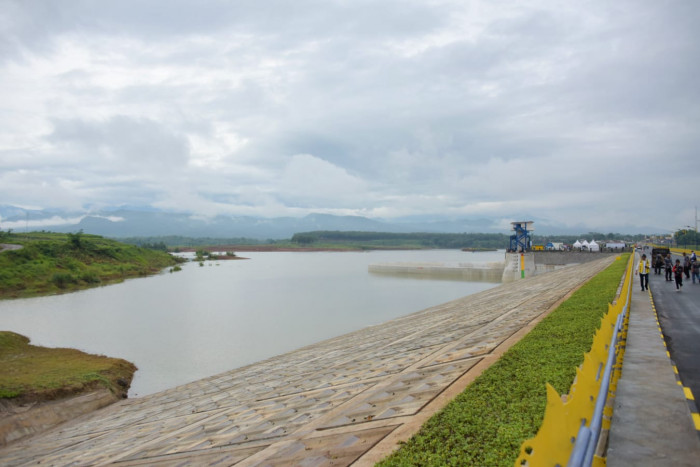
(75, 239)
(304, 239)
(687, 238)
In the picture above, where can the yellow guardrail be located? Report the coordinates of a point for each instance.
(565, 415)
(680, 251)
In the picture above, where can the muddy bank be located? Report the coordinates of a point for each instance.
(41, 386)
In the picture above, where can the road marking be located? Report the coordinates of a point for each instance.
(688, 393)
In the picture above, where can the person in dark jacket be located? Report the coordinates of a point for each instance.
(658, 264)
(678, 274)
(669, 267)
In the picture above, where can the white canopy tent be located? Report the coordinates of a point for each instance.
(615, 245)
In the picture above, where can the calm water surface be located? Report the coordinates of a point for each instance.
(201, 321)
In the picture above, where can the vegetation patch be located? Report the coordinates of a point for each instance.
(31, 373)
(51, 263)
(488, 422)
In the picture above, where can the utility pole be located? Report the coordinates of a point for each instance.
(696, 227)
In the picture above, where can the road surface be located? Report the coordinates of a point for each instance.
(679, 315)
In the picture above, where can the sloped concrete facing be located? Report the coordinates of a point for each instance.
(651, 421)
(347, 400)
(17, 421)
(486, 272)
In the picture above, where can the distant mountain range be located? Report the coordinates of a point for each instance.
(121, 223)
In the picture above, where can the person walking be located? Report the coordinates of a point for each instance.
(658, 264)
(643, 272)
(686, 265)
(695, 268)
(678, 274)
(668, 263)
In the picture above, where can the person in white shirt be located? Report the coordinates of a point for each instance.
(643, 272)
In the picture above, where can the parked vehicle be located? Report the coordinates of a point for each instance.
(660, 251)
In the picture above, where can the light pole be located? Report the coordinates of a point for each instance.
(686, 234)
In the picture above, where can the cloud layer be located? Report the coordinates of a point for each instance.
(585, 113)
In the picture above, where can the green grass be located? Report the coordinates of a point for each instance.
(488, 422)
(30, 373)
(52, 263)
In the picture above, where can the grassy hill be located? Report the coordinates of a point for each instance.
(51, 263)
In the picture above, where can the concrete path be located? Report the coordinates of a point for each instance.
(347, 400)
(651, 423)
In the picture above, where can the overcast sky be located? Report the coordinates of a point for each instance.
(577, 112)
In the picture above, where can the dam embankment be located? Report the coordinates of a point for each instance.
(569, 257)
(507, 270)
(487, 272)
(346, 400)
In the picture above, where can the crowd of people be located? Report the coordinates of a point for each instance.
(688, 267)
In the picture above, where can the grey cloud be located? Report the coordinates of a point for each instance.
(428, 106)
(121, 142)
(32, 24)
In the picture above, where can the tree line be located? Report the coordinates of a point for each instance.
(443, 240)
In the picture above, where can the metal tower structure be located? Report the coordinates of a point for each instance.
(521, 241)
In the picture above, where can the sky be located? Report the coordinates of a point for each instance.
(576, 112)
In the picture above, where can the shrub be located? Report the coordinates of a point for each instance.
(62, 279)
(90, 278)
(75, 239)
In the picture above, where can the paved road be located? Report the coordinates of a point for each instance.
(679, 315)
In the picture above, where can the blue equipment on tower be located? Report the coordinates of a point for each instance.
(521, 241)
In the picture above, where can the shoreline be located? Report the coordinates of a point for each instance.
(273, 248)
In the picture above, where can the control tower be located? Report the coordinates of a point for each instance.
(520, 260)
(521, 241)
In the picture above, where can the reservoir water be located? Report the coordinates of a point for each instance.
(204, 320)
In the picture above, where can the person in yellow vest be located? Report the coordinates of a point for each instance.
(643, 272)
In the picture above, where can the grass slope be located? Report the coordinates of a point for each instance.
(487, 423)
(30, 373)
(55, 263)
